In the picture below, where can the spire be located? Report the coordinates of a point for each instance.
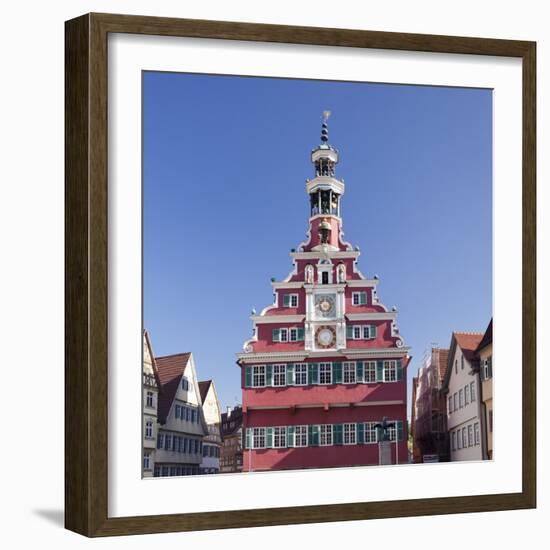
(324, 127)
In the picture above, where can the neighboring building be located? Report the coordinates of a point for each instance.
(181, 424)
(150, 404)
(211, 445)
(232, 434)
(463, 391)
(431, 438)
(416, 453)
(326, 361)
(484, 354)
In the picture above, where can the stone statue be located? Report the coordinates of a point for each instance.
(309, 274)
(341, 273)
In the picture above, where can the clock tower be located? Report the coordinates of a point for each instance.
(326, 362)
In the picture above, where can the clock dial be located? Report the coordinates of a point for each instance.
(325, 337)
(325, 305)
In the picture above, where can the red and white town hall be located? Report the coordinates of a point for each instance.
(326, 362)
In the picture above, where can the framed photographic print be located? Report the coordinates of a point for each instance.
(226, 339)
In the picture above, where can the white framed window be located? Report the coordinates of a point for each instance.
(279, 375)
(147, 460)
(358, 298)
(476, 433)
(300, 436)
(470, 435)
(486, 369)
(279, 436)
(464, 438)
(356, 332)
(460, 398)
(392, 430)
(325, 373)
(366, 332)
(258, 376)
(390, 371)
(283, 335)
(371, 432)
(473, 391)
(293, 300)
(466, 394)
(349, 434)
(293, 334)
(149, 399)
(300, 374)
(349, 372)
(184, 383)
(450, 404)
(149, 429)
(326, 434)
(369, 371)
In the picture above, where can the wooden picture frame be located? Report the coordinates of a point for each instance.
(86, 358)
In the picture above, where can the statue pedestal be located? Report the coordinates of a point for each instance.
(384, 452)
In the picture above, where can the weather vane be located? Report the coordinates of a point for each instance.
(326, 114)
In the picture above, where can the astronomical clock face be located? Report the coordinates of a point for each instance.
(324, 305)
(325, 337)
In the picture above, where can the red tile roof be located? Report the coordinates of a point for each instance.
(170, 369)
(204, 386)
(443, 359)
(468, 342)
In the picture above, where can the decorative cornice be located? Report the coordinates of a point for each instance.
(330, 405)
(313, 255)
(275, 319)
(374, 316)
(362, 283)
(282, 284)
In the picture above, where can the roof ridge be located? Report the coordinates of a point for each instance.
(173, 355)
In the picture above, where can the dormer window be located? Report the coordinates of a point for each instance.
(290, 300)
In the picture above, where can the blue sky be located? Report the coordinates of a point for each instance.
(224, 167)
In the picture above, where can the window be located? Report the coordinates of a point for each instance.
(370, 371)
(258, 376)
(300, 436)
(490, 420)
(290, 300)
(160, 441)
(461, 398)
(464, 440)
(325, 373)
(196, 446)
(392, 431)
(326, 434)
(149, 429)
(167, 442)
(473, 391)
(462, 362)
(149, 400)
(476, 433)
(466, 394)
(283, 335)
(187, 414)
(147, 460)
(456, 366)
(366, 332)
(357, 333)
(184, 383)
(258, 438)
(359, 298)
(175, 443)
(349, 434)
(470, 436)
(324, 278)
(454, 441)
(458, 440)
(455, 404)
(279, 375)
(390, 371)
(349, 373)
(300, 374)
(450, 404)
(279, 437)
(487, 368)
(370, 432)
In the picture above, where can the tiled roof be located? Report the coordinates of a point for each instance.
(170, 369)
(468, 342)
(487, 337)
(443, 359)
(204, 386)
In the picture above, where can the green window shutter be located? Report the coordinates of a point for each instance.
(286, 300)
(378, 433)
(372, 332)
(268, 375)
(310, 435)
(248, 439)
(379, 371)
(313, 373)
(290, 374)
(290, 436)
(399, 430)
(338, 434)
(359, 371)
(315, 434)
(360, 432)
(276, 334)
(300, 333)
(269, 437)
(399, 370)
(349, 332)
(336, 373)
(248, 377)
(362, 298)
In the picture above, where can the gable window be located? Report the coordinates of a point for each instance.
(300, 436)
(370, 372)
(473, 391)
(325, 373)
(258, 376)
(279, 437)
(184, 383)
(390, 371)
(450, 405)
(370, 432)
(462, 362)
(300, 374)
(177, 411)
(359, 298)
(349, 373)
(149, 429)
(456, 366)
(149, 399)
(460, 398)
(466, 394)
(349, 434)
(290, 300)
(326, 434)
(279, 375)
(455, 403)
